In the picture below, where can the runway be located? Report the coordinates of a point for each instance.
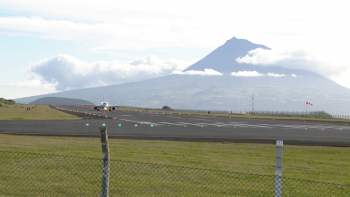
(184, 127)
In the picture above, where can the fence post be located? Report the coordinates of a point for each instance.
(278, 168)
(105, 162)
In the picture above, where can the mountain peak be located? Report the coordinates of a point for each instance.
(223, 59)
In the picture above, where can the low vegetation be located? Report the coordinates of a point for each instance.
(236, 115)
(316, 163)
(36, 112)
(7, 102)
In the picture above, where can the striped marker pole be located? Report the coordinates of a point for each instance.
(106, 161)
(278, 168)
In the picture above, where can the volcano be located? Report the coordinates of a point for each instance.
(282, 89)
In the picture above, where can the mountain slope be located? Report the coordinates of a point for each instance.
(221, 92)
(60, 101)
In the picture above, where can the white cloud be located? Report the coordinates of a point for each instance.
(27, 88)
(247, 74)
(326, 63)
(33, 83)
(137, 23)
(275, 75)
(108, 35)
(206, 72)
(68, 72)
(293, 75)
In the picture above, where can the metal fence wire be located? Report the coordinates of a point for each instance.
(24, 174)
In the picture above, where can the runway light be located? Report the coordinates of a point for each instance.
(322, 129)
(305, 128)
(104, 124)
(234, 127)
(185, 125)
(168, 125)
(87, 124)
(151, 125)
(120, 125)
(135, 125)
(341, 129)
(201, 126)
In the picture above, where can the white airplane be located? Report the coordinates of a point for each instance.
(104, 105)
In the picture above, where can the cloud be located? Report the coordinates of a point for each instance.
(247, 74)
(293, 75)
(256, 74)
(326, 63)
(68, 72)
(27, 88)
(138, 23)
(100, 36)
(275, 75)
(33, 83)
(206, 72)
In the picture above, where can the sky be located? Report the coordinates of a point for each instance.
(51, 46)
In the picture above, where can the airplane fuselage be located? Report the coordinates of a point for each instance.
(104, 104)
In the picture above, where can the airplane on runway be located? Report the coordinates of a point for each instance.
(104, 105)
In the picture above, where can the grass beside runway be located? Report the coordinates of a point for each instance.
(235, 115)
(324, 164)
(36, 112)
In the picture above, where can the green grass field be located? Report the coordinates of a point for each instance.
(37, 112)
(163, 168)
(325, 164)
(234, 115)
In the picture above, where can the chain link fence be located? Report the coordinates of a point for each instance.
(311, 114)
(24, 174)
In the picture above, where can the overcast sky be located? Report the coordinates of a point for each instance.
(49, 46)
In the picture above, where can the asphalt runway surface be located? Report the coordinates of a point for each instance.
(184, 127)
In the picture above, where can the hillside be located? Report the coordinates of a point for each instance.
(60, 101)
(5, 102)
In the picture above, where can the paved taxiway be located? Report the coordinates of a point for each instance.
(185, 127)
